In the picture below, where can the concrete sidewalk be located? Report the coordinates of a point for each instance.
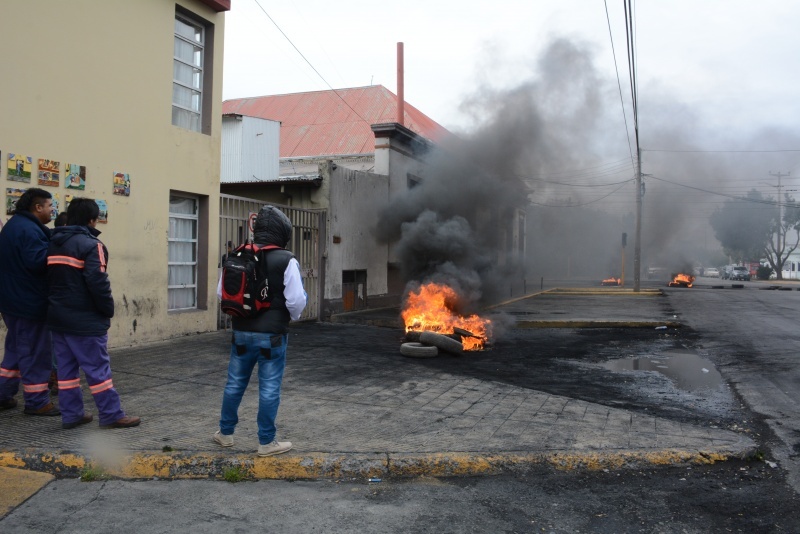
(353, 406)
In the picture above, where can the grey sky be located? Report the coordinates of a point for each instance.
(712, 75)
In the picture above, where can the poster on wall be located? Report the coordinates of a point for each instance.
(54, 211)
(122, 184)
(67, 200)
(19, 167)
(103, 217)
(49, 172)
(12, 195)
(74, 176)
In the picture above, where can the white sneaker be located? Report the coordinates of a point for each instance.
(223, 440)
(276, 447)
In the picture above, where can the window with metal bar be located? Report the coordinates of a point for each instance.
(182, 254)
(187, 73)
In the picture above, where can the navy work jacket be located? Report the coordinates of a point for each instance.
(23, 267)
(80, 301)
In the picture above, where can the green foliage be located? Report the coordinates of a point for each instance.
(763, 272)
(745, 226)
(237, 473)
(167, 448)
(93, 474)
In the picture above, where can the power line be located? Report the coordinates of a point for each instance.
(309, 63)
(619, 84)
(719, 151)
(734, 197)
(581, 204)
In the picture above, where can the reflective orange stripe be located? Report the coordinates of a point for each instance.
(34, 388)
(69, 384)
(102, 257)
(65, 260)
(10, 373)
(102, 386)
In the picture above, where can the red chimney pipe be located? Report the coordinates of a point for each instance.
(401, 111)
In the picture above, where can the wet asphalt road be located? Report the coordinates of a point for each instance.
(752, 335)
(749, 335)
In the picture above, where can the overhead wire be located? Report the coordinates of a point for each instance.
(735, 197)
(619, 84)
(309, 63)
(571, 205)
(720, 151)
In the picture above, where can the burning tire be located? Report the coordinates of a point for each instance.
(442, 342)
(418, 350)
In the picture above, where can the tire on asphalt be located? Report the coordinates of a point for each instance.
(462, 333)
(442, 342)
(418, 350)
(413, 336)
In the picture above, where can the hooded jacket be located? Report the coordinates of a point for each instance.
(23, 267)
(272, 227)
(80, 301)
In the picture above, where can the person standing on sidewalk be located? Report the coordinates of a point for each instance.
(52, 383)
(79, 315)
(23, 304)
(263, 338)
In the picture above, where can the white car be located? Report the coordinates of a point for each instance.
(711, 272)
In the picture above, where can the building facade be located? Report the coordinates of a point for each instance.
(340, 151)
(121, 101)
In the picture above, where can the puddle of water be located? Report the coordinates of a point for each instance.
(689, 371)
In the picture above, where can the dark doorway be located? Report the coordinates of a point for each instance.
(354, 290)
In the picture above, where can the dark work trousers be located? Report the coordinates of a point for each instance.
(27, 358)
(90, 354)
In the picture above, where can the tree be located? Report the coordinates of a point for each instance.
(756, 227)
(785, 236)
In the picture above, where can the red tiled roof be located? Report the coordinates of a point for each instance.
(324, 123)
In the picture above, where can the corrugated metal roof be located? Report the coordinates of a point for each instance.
(333, 122)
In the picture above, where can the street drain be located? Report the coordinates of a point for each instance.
(689, 371)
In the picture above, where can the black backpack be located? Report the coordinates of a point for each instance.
(244, 283)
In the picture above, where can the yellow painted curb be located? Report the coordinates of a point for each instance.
(582, 291)
(321, 465)
(595, 324)
(19, 485)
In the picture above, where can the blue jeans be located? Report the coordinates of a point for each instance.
(247, 349)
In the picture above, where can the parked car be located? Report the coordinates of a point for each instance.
(740, 272)
(711, 272)
(725, 272)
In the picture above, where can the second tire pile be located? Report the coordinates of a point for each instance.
(430, 344)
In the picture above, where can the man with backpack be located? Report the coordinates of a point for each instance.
(260, 325)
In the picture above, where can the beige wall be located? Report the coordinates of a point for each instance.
(90, 82)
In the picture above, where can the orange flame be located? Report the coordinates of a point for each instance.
(611, 282)
(429, 309)
(682, 280)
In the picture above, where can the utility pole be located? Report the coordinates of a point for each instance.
(637, 243)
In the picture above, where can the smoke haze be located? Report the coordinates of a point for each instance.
(556, 147)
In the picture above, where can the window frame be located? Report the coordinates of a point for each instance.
(203, 114)
(195, 240)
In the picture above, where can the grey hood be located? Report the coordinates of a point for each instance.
(272, 227)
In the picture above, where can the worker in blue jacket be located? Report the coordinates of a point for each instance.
(79, 316)
(23, 304)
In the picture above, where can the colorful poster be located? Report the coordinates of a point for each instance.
(12, 195)
(49, 172)
(103, 217)
(54, 212)
(122, 184)
(74, 176)
(19, 167)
